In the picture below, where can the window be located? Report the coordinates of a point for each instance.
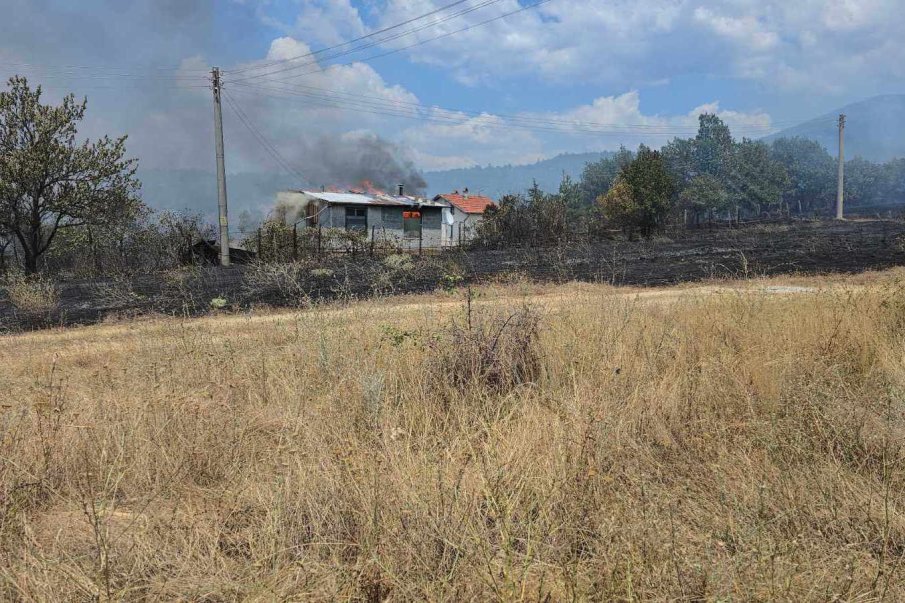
(356, 218)
(411, 224)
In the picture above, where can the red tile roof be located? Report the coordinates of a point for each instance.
(470, 204)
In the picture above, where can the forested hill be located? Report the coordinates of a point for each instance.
(496, 181)
(875, 129)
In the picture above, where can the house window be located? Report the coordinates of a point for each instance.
(356, 218)
(411, 224)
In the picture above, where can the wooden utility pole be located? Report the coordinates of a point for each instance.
(840, 191)
(221, 168)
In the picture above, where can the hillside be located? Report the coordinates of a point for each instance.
(496, 181)
(875, 129)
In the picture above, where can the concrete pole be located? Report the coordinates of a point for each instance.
(221, 169)
(840, 191)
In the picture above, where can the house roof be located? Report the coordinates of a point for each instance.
(373, 199)
(470, 204)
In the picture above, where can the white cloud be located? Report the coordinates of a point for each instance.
(746, 31)
(625, 43)
(355, 98)
(325, 23)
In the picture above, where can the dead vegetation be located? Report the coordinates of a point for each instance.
(733, 445)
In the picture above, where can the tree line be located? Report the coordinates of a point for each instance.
(692, 181)
(73, 206)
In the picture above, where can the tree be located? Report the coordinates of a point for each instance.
(864, 182)
(620, 207)
(894, 179)
(755, 179)
(652, 187)
(48, 181)
(680, 159)
(598, 177)
(704, 194)
(812, 173)
(570, 194)
(712, 147)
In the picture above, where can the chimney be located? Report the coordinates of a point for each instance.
(466, 193)
(401, 190)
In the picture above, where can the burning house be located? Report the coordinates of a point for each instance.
(410, 221)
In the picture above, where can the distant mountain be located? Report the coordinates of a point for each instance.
(875, 129)
(496, 181)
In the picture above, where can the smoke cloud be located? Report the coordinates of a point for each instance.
(353, 159)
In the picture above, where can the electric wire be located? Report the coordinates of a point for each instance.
(269, 147)
(348, 42)
(382, 41)
(339, 96)
(489, 120)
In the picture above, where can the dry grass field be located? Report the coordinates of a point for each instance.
(739, 441)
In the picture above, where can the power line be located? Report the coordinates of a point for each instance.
(261, 138)
(339, 96)
(358, 39)
(415, 112)
(404, 34)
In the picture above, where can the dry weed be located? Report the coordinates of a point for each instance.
(718, 446)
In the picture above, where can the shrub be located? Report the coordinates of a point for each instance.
(321, 273)
(34, 294)
(281, 283)
(399, 261)
(487, 349)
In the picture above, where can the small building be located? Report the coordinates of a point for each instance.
(464, 214)
(411, 222)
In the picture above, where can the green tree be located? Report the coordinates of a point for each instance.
(754, 178)
(864, 182)
(620, 207)
(712, 147)
(681, 160)
(894, 180)
(652, 187)
(812, 173)
(49, 181)
(704, 195)
(571, 195)
(598, 177)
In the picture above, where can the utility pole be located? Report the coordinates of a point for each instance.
(221, 169)
(840, 191)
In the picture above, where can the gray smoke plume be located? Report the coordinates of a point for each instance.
(357, 160)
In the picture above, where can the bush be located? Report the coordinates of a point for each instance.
(34, 294)
(282, 283)
(487, 349)
(399, 261)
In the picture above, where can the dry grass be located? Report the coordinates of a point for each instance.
(703, 444)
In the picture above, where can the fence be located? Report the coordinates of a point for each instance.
(279, 242)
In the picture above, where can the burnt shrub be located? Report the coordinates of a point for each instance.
(488, 350)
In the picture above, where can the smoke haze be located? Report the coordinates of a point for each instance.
(350, 160)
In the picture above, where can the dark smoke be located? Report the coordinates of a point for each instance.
(347, 162)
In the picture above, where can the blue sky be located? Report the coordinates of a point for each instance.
(645, 68)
